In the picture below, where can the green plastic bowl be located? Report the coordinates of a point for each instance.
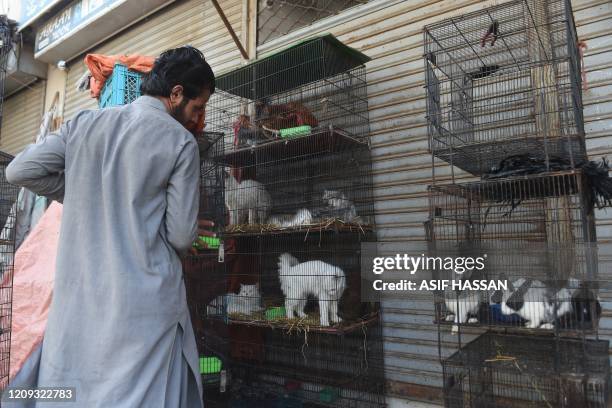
(211, 243)
(275, 313)
(210, 365)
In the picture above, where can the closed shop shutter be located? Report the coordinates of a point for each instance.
(21, 118)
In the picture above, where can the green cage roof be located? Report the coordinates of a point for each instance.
(299, 64)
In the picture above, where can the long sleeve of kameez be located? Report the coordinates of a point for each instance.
(40, 167)
(182, 199)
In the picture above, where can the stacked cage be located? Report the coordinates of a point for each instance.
(8, 195)
(204, 272)
(504, 104)
(298, 199)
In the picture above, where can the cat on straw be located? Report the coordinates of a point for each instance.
(302, 217)
(316, 278)
(341, 206)
(247, 302)
(248, 202)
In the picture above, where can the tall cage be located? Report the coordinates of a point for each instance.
(299, 204)
(8, 196)
(508, 371)
(204, 271)
(504, 104)
(505, 81)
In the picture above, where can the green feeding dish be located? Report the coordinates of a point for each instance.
(328, 395)
(275, 313)
(210, 243)
(295, 131)
(210, 365)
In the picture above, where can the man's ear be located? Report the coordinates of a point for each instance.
(176, 94)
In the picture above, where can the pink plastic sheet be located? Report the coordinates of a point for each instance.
(33, 286)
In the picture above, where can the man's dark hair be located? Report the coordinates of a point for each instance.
(183, 66)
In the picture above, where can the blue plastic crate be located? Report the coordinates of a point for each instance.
(121, 88)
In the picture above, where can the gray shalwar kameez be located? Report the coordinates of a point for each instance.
(119, 328)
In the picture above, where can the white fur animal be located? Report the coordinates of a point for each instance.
(247, 301)
(341, 206)
(322, 280)
(460, 307)
(248, 202)
(537, 305)
(302, 217)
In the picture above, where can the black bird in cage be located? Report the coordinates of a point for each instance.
(483, 72)
(596, 173)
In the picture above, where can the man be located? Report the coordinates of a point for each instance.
(119, 329)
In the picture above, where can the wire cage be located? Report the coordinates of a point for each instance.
(299, 204)
(312, 90)
(205, 274)
(536, 233)
(310, 281)
(8, 196)
(316, 185)
(504, 81)
(304, 369)
(517, 371)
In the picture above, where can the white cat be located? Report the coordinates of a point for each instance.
(319, 279)
(302, 217)
(248, 202)
(537, 305)
(460, 307)
(247, 301)
(341, 206)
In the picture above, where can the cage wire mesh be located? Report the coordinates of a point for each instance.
(8, 196)
(276, 18)
(504, 81)
(535, 232)
(6, 45)
(527, 371)
(299, 204)
(204, 271)
(299, 368)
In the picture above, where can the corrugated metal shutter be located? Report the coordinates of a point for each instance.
(192, 22)
(21, 118)
(402, 166)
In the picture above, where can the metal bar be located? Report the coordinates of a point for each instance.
(231, 31)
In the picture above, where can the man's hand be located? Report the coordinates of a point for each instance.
(203, 231)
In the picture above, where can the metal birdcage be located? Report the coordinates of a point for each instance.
(299, 204)
(509, 371)
(504, 81)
